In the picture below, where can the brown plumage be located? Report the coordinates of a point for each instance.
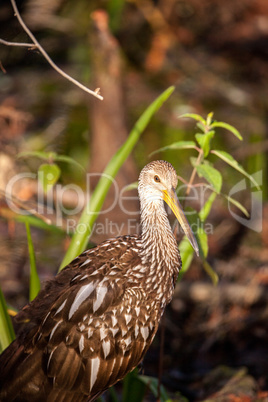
(94, 322)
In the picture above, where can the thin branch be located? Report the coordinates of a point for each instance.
(46, 56)
(29, 45)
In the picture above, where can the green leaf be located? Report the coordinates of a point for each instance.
(47, 156)
(152, 383)
(176, 145)
(211, 273)
(48, 175)
(34, 278)
(131, 186)
(133, 389)
(204, 212)
(194, 116)
(232, 162)
(237, 204)
(80, 239)
(204, 141)
(211, 174)
(228, 127)
(202, 241)
(7, 334)
(193, 161)
(209, 118)
(187, 255)
(67, 159)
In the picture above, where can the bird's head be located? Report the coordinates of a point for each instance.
(158, 181)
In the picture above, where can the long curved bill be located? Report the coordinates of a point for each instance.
(170, 197)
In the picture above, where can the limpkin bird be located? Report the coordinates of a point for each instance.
(94, 322)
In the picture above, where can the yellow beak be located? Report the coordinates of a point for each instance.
(170, 197)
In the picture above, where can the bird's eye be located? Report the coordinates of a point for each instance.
(156, 178)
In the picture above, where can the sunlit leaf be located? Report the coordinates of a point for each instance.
(212, 175)
(48, 175)
(226, 157)
(228, 127)
(176, 145)
(194, 116)
(237, 204)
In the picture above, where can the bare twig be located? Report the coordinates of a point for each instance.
(37, 45)
(29, 45)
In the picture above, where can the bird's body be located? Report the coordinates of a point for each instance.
(94, 322)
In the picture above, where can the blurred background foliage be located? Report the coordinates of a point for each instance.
(216, 55)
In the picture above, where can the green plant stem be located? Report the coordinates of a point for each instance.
(34, 278)
(198, 161)
(7, 334)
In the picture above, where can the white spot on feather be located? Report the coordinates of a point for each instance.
(127, 318)
(95, 364)
(114, 331)
(50, 356)
(61, 306)
(101, 292)
(81, 343)
(106, 347)
(85, 263)
(136, 331)
(54, 329)
(89, 332)
(83, 293)
(114, 320)
(102, 333)
(128, 341)
(137, 309)
(123, 332)
(82, 327)
(144, 332)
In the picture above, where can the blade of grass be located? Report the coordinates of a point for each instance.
(34, 278)
(7, 334)
(80, 239)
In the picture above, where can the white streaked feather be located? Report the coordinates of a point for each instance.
(54, 329)
(61, 306)
(100, 294)
(114, 331)
(144, 332)
(137, 309)
(136, 331)
(128, 341)
(83, 293)
(81, 343)
(128, 318)
(95, 364)
(106, 347)
(103, 333)
(114, 320)
(85, 263)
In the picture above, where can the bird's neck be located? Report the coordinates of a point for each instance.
(159, 247)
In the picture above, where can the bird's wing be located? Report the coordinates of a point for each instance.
(89, 337)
